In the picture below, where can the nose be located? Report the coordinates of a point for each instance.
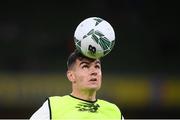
(93, 71)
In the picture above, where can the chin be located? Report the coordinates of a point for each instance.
(95, 88)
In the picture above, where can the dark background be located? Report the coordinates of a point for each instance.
(37, 37)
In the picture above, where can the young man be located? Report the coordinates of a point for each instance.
(82, 104)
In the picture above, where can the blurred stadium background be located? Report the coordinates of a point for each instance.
(141, 74)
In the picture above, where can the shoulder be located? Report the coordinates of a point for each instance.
(54, 97)
(104, 102)
(110, 108)
(57, 98)
(108, 105)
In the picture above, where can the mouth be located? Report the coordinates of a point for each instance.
(93, 80)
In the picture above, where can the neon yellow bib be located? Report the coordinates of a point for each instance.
(71, 108)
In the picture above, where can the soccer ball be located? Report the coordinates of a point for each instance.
(94, 37)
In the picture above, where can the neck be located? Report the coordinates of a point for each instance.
(88, 95)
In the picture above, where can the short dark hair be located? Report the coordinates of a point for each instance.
(76, 55)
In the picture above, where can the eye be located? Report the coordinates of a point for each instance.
(85, 66)
(97, 66)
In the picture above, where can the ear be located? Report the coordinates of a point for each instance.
(70, 75)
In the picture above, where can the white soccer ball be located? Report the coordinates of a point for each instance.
(94, 37)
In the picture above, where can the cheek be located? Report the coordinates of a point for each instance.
(100, 76)
(100, 73)
(80, 76)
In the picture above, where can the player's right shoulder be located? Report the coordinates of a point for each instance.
(53, 101)
(57, 98)
(54, 97)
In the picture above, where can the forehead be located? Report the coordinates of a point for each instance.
(87, 61)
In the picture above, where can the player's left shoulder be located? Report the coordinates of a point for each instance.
(107, 103)
(110, 106)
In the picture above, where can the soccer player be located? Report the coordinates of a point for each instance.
(81, 104)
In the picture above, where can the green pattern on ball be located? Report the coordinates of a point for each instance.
(105, 44)
(89, 33)
(98, 20)
(97, 32)
(78, 44)
(100, 39)
(95, 38)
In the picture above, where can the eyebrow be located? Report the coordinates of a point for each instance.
(84, 62)
(98, 62)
